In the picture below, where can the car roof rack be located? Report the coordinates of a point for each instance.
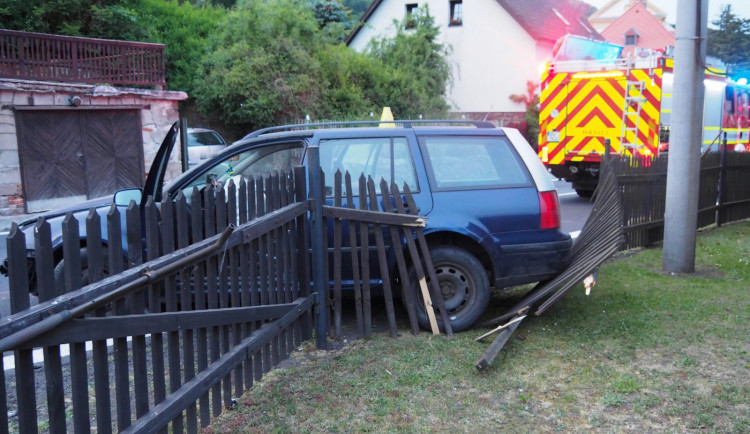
(401, 123)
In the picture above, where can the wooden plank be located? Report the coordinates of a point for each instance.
(303, 258)
(19, 300)
(170, 302)
(489, 355)
(364, 237)
(354, 252)
(336, 256)
(163, 413)
(383, 261)
(140, 365)
(435, 287)
(155, 293)
(379, 217)
(211, 290)
(406, 292)
(47, 291)
(416, 261)
(199, 335)
(272, 200)
(122, 367)
(78, 369)
(100, 356)
(186, 232)
(234, 270)
(223, 294)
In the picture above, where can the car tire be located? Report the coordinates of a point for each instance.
(464, 284)
(584, 193)
(60, 270)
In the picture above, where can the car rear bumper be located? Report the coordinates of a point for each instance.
(527, 263)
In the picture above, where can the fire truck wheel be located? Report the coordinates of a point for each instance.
(584, 193)
(463, 283)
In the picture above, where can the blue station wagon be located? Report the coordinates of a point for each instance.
(492, 212)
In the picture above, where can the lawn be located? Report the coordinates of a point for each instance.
(645, 352)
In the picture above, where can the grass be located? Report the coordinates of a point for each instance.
(646, 351)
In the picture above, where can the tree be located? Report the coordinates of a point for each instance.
(530, 100)
(417, 71)
(730, 42)
(261, 67)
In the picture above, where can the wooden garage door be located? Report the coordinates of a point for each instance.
(78, 155)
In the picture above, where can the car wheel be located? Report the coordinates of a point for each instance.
(60, 270)
(584, 193)
(463, 283)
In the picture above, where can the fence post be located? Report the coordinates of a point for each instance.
(318, 248)
(720, 184)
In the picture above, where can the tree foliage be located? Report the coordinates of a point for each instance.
(260, 63)
(416, 67)
(730, 42)
(273, 63)
(530, 100)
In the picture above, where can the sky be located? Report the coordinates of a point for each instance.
(740, 8)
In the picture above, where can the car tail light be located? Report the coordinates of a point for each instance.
(550, 210)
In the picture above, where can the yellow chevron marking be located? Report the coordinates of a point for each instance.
(557, 102)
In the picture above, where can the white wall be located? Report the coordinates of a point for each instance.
(493, 56)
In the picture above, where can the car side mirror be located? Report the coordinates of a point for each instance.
(123, 197)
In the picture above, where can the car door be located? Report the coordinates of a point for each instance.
(379, 155)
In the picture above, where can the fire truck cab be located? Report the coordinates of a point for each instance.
(590, 96)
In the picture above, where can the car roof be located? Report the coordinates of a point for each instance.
(200, 130)
(367, 126)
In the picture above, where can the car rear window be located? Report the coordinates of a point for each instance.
(457, 163)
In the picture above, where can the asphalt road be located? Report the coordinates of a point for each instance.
(574, 212)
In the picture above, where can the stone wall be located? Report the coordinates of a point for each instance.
(159, 110)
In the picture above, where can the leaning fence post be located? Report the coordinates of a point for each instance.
(720, 183)
(318, 248)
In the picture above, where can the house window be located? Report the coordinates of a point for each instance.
(457, 13)
(631, 37)
(411, 20)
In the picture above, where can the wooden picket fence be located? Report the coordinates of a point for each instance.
(214, 290)
(723, 197)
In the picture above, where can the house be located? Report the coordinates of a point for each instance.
(497, 45)
(70, 129)
(614, 9)
(638, 28)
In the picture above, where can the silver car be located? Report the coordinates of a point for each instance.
(203, 144)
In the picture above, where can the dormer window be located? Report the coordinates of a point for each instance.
(457, 13)
(411, 21)
(631, 38)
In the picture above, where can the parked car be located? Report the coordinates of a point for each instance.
(492, 212)
(203, 144)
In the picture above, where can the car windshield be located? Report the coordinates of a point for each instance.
(204, 138)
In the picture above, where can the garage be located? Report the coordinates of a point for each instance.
(72, 155)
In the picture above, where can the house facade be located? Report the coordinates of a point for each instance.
(497, 45)
(614, 9)
(62, 140)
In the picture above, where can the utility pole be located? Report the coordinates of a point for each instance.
(686, 136)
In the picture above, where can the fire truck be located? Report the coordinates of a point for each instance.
(590, 94)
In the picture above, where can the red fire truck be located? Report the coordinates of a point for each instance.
(590, 94)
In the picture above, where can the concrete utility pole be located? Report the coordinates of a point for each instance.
(686, 136)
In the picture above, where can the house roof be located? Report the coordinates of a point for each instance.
(549, 20)
(544, 20)
(650, 29)
(614, 9)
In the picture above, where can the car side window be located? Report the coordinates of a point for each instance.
(386, 158)
(254, 162)
(473, 162)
